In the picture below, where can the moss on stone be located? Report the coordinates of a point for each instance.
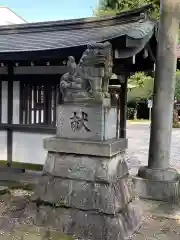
(4, 190)
(54, 235)
(28, 166)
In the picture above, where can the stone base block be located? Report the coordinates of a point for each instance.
(88, 183)
(88, 168)
(89, 225)
(168, 191)
(107, 148)
(99, 197)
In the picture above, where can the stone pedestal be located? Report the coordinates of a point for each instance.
(85, 178)
(158, 184)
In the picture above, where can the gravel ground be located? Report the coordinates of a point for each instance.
(161, 221)
(138, 141)
(158, 228)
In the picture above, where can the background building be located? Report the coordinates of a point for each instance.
(7, 17)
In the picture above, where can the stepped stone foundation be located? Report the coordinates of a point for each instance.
(88, 190)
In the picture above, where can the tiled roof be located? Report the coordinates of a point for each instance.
(72, 33)
(34, 41)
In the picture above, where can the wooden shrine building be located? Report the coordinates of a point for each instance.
(33, 58)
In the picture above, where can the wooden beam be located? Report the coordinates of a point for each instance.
(153, 58)
(37, 128)
(40, 70)
(123, 108)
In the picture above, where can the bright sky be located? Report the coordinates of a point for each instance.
(50, 10)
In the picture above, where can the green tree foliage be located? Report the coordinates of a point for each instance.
(143, 89)
(155, 12)
(116, 6)
(144, 86)
(177, 89)
(175, 119)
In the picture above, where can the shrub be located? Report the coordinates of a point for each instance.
(130, 113)
(176, 123)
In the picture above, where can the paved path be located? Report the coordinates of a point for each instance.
(138, 136)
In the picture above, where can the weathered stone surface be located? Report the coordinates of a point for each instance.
(90, 79)
(8, 224)
(94, 121)
(16, 207)
(107, 198)
(89, 168)
(29, 215)
(107, 148)
(158, 190)
(35, 231)
(90, 225)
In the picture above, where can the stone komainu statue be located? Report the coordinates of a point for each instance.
(90, 78)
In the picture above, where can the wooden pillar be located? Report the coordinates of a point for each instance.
(46, 100)
(10, 113)
(123, 108)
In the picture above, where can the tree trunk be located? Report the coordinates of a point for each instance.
(164, 86)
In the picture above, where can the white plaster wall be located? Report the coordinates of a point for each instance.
(8, 17)
(3, 145)
(110, 123)
(4, 94)
(28, 147)
(16, 89)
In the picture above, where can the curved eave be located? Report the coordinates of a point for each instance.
(58, 40)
